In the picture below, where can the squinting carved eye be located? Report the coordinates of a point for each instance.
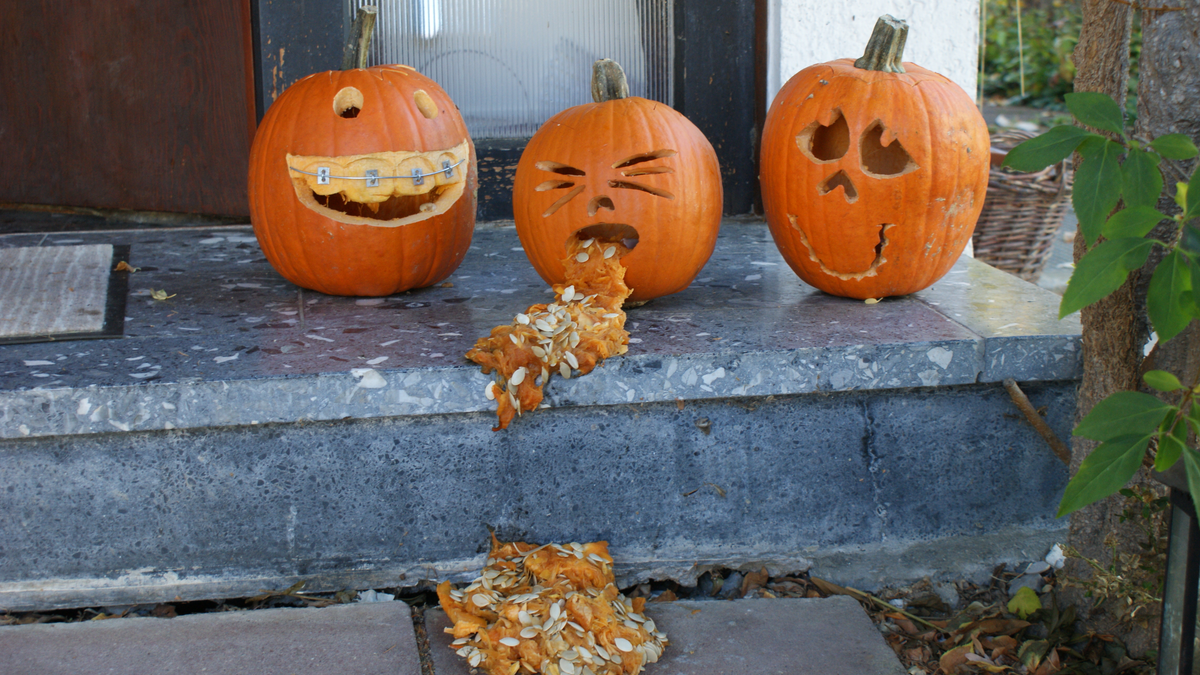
(562, 170)
(642, 158)
(823, 143)
(883, 160)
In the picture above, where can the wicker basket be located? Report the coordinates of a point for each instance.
(1022, 212)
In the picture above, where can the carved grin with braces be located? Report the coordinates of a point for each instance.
(383, 189)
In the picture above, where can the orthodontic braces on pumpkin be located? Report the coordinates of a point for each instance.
(385, 189)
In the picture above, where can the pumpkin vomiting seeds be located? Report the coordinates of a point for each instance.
(551, 609)
(584, 326)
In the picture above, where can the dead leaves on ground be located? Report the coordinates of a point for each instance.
(987, 638)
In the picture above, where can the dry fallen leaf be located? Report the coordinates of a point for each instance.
(125, 267)
(871, 301)
(160, 295)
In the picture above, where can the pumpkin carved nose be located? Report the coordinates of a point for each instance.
(839, 179)
(599, 202)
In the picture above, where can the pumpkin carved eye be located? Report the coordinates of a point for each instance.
(348, 102)
(825, 143)
(884, 160)
(425, 104)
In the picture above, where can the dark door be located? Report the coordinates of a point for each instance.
(127, 104)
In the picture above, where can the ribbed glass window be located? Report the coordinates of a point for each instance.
(511, 64)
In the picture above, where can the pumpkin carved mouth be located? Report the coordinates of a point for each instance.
(871, 270)
(627, 235)
(382, 189)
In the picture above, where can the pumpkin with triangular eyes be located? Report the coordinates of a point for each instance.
(873, 172)
(622, 168)
(362, 182)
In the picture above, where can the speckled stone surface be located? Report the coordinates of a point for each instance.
(238, 345)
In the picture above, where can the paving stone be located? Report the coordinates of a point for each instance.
(830, 636)
(356, 639)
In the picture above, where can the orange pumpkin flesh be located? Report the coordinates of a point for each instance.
(534, 607)
(582, 327)
(872, 181)
(627, 168)
(345, 236)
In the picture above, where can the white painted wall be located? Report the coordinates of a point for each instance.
(943, 35)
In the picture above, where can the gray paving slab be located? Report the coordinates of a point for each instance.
(830, 636)
(357, 639)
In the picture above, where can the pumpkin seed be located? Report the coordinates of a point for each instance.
(623, 644)
(611, 315)
(518, 377)
(523, 319)
(475, 659)
(568, 293)
(566, 667)
(610, 252)
(515, 340)
(588, 243)
(509, 641)
(480, 600)
(529, 632)
(565, 371)
(571, 359)
(490, 391)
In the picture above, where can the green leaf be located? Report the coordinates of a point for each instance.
(1025, 602)
(1191, 462)
(1051, 147)
(1106, 470)
(1097, 185)
(1135, 221)
(1181, 190)
(1171, 445)
(1193, 196)
(1174, 146)
(1162, 380)
(1193, 417)
(1190, 240)
(1169, 450)
(1169, 297)
(1142, 182)
(1096, 110)
(1101, 271)
(1122, 414)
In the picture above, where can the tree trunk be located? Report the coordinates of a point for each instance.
(1116, 330)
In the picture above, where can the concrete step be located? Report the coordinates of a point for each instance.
(794, 636)
(246, 435)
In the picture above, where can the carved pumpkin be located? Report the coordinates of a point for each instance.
(362, 182)
(620, 169)
(873, 172)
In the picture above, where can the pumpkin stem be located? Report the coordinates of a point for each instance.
(355, 53)
(886, 46)
(608, 81)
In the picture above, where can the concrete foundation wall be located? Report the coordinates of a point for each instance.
(865, 486)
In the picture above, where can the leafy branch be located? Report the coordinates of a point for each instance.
(1117, 188)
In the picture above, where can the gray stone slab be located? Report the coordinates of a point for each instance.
(783, 481)
(1023, 337)
(239, 345)
(830, 636)
(356, 639)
